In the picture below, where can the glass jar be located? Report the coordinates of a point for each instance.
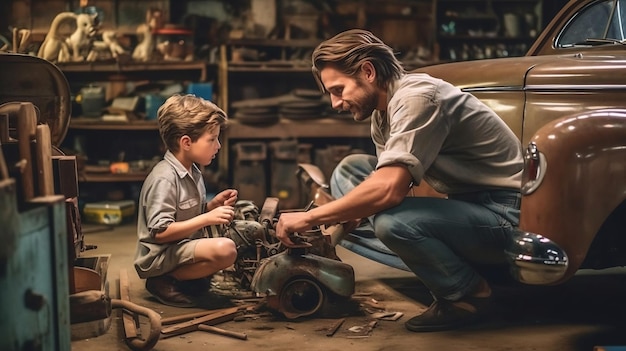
(174, 44)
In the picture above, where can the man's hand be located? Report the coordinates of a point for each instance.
(289, 223)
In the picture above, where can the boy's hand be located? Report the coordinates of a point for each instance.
(230, 197)
(227, 197)
(220, 215)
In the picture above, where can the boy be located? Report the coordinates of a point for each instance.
(174, 253)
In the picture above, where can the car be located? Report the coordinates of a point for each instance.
(566, 102)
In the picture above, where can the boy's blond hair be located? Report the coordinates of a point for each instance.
(187, 115)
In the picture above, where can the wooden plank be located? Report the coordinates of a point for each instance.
(130, 327)
(184, 317)
(43, 152)
(216, 317)
(223, 332)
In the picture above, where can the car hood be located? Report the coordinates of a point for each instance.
(531, 72)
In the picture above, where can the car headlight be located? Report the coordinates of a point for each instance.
(534, 169)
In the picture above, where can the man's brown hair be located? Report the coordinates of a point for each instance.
(348, 50)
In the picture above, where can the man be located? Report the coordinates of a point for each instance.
(423, 129)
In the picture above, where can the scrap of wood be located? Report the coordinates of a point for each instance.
(333, 328)
(223, 332)
(216, 317)
(131, 324)
(388, 316)
(363, 331)
(184, 317)
(370, 326)
(245, 317)
(371, 303)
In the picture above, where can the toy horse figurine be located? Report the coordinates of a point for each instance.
(81, 40)
(56, 48)
(145, 49)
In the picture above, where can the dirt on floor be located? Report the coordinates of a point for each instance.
(586, 312)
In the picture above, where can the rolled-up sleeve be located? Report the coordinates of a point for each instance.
(160, 201)
(415, 134)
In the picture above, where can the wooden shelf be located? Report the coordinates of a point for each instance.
(99, 70)
(269, 67)
(291, 43)
(309, 128)
(87, 123)
(110, 177)
(470, 29)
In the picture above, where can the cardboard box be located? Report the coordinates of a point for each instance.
(109, 212)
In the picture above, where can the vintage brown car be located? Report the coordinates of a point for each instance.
(566, 101)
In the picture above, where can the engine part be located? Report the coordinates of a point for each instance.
(297, 283)
(301, 297)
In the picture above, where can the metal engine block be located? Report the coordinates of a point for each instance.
(296, 281)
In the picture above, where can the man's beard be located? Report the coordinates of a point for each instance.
(364, 107)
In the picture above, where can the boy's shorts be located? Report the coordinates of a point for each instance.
(172, 257)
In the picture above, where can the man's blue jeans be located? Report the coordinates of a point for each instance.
(438, 238)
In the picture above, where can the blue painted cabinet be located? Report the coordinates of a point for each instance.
(34, 286)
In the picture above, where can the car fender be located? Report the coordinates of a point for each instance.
(584, 180)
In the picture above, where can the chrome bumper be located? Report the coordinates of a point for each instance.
(535, 259)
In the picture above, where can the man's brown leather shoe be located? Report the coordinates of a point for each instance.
(447, 315)
(167, 290)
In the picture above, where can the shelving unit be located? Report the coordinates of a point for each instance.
(274, 57)
(106, 71)
(479, 29)
(319, 129)
(274, 68)
(137, 140)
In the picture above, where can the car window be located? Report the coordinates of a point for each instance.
(597, 21)
(617, 27)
